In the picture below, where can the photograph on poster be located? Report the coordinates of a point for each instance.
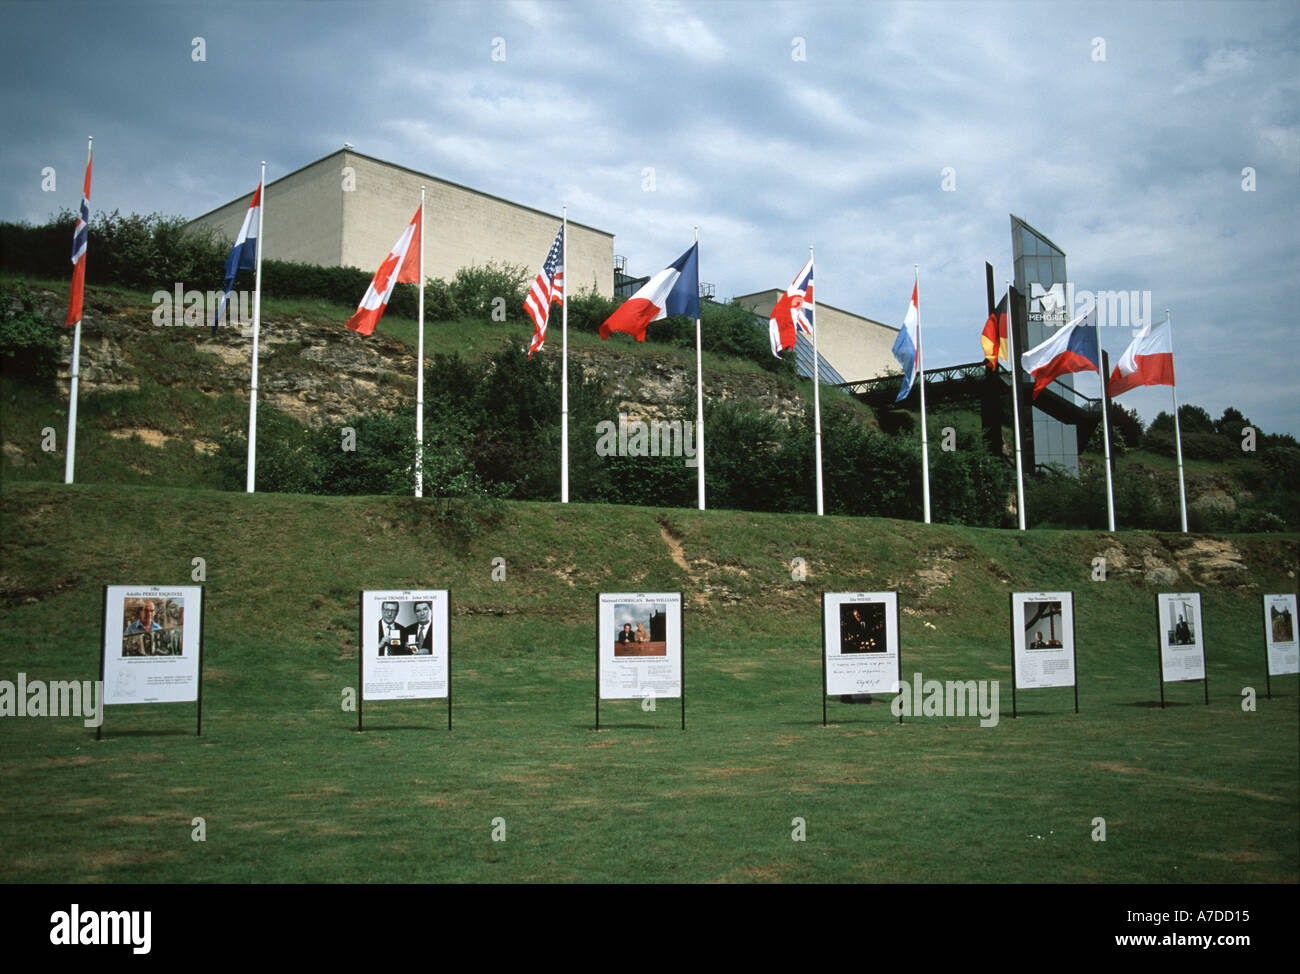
(1281, 623)
(1283, 649)
(1181, 617)
(404, 641)
(1042, 626)
(1182, 655)
(154, 626)
(862, 627)
(640, 645)
(641, 630)
(861, 642)
(151, 643)
(404, 628)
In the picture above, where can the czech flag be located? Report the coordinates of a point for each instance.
(401, 265)
(1148, 361)
(1072, 349)
(675, 290)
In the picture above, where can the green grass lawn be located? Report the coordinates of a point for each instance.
(289, 791)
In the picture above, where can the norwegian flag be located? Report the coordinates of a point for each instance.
(548, 288)
(79, 235)
(401, 265)
(795, 307)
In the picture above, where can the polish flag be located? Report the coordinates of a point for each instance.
(675, 290)
(1148, 361)
(1072, 349)
(401, 265)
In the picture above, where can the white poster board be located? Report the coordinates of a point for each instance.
(1042, 627)
(405, 645)
(1280, 634)
(152, 642)
(639, 645)
(860, 642)
(1182, 646)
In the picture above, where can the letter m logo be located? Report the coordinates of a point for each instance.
(1046, 301)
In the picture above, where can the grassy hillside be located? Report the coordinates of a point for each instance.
(289, 791)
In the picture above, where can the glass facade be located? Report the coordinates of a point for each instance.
(1039, 261)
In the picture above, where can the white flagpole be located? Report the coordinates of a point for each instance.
(70, 460)
(699, 385)
(1105, 430)
(1015, 407)
(920, 374)
(817, 393)
(257, 324)
(564, 365)
(1178, 436)
(419, 376)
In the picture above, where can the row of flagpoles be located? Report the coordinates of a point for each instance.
(675, 291)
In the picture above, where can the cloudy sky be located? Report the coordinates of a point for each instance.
(883, 134)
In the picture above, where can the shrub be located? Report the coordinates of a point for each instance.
(29, 347)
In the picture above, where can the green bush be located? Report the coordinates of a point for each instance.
(479, 291)
(29, 347)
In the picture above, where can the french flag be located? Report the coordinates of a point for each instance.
(243, 255)
(675, 290)
(907, 346)
(402, 265)
(1072, 349)
(79, 236)
(1148, 361)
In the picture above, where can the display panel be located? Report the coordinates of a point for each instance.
(152, 643)
(405, 645)
(861, 642)
(640, 645)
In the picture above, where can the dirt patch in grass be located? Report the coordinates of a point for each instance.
(1242, 856)
(1262, 796)
(149, 818)
(124, 857)
(321, 792)
(741, 669)
(772, 873)
(733, 772)
(1114, 767)
(74, 760)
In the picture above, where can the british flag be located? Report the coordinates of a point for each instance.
(795, 307)
(79, 236)
(548, 288)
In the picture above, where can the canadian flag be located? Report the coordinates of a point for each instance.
(402, 264)
(1148, 361)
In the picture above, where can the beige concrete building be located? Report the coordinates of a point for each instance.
(856, 347)
(348, 209)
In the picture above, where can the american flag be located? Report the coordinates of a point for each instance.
(548, 287)
(79, 236)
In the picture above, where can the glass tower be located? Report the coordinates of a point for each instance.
(1040, 262)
